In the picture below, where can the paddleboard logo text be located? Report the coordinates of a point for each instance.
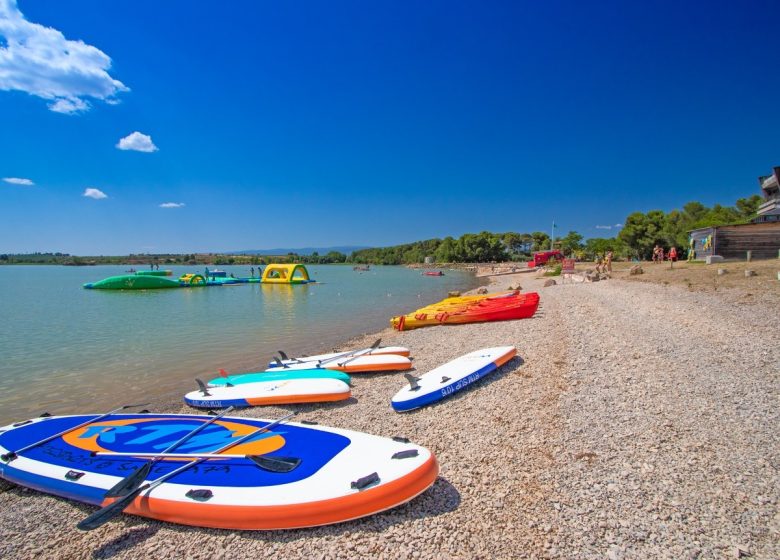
(153, 435)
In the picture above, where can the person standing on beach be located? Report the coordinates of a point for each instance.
(608, 262)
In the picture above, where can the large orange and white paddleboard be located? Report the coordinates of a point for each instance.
(337, 475)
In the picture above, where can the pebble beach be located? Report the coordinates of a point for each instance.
(639, 420)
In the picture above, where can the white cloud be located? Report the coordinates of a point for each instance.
(18, 181)
(618, 225)
(172, 205)
(137, 142)
(603, 227)
(40, 61)
(97, 194)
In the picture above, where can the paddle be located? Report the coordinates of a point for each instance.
(273, 464)
(134, 479)
(373, 347)
(11, 455)
(356, 355)
(107, 513)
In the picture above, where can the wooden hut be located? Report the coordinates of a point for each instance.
(733, 242)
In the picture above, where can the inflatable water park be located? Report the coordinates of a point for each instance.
(162, 279)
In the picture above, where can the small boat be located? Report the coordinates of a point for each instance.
(215, 471)
(433, 273)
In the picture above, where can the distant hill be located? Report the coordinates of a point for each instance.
(346, 249)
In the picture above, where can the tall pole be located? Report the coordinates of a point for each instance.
(552, 237)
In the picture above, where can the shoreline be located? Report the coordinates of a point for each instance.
(639, 420)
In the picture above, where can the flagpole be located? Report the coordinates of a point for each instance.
(552, 237)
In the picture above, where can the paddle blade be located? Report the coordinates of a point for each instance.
(283, 355)
(202, 387)
(131, 482)
(275, 464)
(107, 513)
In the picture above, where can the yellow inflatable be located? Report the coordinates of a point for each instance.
(286, 274)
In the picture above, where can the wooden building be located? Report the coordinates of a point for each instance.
(769, 211)
(733, 242)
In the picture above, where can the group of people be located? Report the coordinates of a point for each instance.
(604, 263)
(659, 255)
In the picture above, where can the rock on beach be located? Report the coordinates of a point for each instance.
(638, 421)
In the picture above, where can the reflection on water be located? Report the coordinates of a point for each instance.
(65, 349)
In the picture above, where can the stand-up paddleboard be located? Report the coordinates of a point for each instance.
(285, 391)
(313, 360)
(450, 378)
(333, 475)
(360, 364)
(278, 374)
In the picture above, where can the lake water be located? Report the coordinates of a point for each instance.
(64, 349)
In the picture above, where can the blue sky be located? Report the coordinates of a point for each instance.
(294, 124)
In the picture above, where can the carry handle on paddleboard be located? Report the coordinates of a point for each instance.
(11, 455)
(107, 513)
(134, 479)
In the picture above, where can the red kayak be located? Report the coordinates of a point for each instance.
(513, 305)
(431, 273)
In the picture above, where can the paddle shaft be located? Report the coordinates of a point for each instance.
(164, 455)
(13, 454)
(132, 481)
(354, 353)
(152, 485)
(196, 431)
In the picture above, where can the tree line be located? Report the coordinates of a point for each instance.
(639, 234)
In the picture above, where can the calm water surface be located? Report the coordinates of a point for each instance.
(64, 349)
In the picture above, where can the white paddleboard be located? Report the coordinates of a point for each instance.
(448, 379)
(382, 350)
(283, 391)
(361, 364)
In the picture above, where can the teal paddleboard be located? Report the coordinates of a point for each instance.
(279, 374)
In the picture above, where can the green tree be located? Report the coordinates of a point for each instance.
(541, 241)
(748, 207)
(641, 232)
(571, 243)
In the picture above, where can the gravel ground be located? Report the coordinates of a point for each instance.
(639, 421)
